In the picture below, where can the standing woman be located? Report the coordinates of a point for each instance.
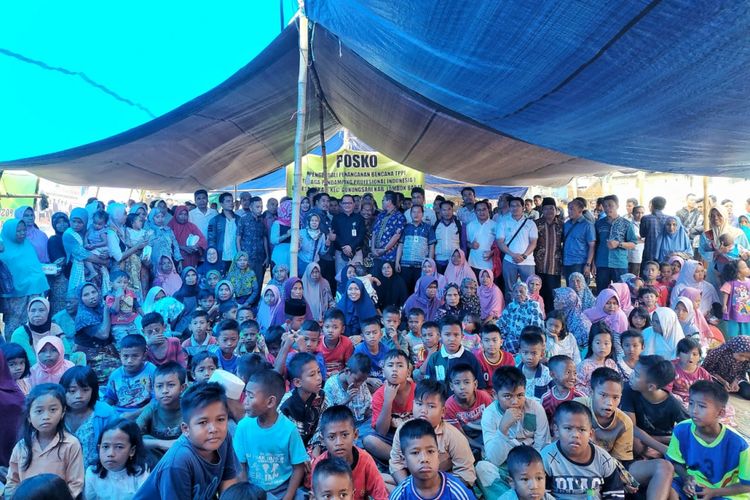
(36, 236)
(182, 229)
(93, 337)
(11, 411)
(281, 234)
(24, 267)
(58, 284)
(77, 254)
(709, 241)
(119, 245)
(313, 242)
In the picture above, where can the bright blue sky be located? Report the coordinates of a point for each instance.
(158, 54)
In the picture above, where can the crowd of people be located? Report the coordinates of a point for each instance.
(526, 350)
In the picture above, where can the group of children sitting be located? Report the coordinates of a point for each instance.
(436, 411)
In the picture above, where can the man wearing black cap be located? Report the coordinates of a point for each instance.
(548, 251)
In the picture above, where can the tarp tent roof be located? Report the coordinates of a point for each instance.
(276, 180)
(496, 92)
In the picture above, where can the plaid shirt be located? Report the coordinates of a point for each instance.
(548, 251)
(252, 232)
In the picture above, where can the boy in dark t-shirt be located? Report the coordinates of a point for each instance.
(653, 410)
(160, 421)
(439, 365)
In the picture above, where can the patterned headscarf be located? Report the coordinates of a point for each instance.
(568, 302)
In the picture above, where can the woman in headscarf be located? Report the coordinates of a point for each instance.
(168, 307)
(38, 326)
(163, 241)
(674, 240)
(520, 313)
(429, 269)
(317, 291)
(22, 264)
(271, 306)
(212, 263)
(662, 336)
(279, 276)
(623, 295)
(93, 337)
(347, 272)
(608, 309)
(534, 283)
(280, 233)
(183, 230)
(491, 301)
(469, 296)
(710, 332)
(58, 284)
(313, 242)
(119, 246)
(425, 298)
(73, 242)
(244, 282)
(49, 370)
(188, 292)
(693, 275)
(458, 268)
(36, 236)
(567, 301)
(11, 411)
(392, 289)
(166, 276)
(577, 282)
(357, 306)
(744, 222)
(709, 240)
(729, 365)
(452, 305)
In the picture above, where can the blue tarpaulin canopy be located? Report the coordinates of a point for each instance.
(509, 92)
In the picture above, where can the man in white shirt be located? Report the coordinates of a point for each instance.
(480, 234)
(417, 198)
(202, 214)
(516, 238)
(466, 214)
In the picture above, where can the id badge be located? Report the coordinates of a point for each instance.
(354, 232)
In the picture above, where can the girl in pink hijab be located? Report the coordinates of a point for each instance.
(491, 300)
(458, 269)
(51, 362)
(607, 308)
(623, 294)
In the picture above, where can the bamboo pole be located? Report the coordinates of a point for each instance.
(706, 202)
(299, 139)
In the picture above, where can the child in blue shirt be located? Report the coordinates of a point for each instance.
(708, 457)
(373, 348)
(267, 443)
(227, 338)
(130, 387)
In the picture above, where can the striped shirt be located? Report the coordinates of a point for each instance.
(451, 488)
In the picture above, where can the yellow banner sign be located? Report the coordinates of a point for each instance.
(356, 172)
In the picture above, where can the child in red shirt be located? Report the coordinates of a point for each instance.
(491, 356)
(161, 349)
(335, 348)
(465, 407)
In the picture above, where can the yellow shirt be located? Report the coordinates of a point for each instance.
(617, 437)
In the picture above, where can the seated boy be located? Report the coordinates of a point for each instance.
(393, 338)
(576, 468)
(161, 349)
(201, 463)
(711, 459)
(632, 347)
(451, 353)
(295, 311)
(419, 446)
(251, 341)
(339, 432)
(335, 348)
(307, 339)
(207, 302)
(531, 348)
(228, 334)
(306, 401)
(268, 446)
(203, 365)
(392, 405)
(199, 340)
(373, 348)
(417, 350)
(465, 407)
(333, 478)
(349, 387)
(527, 476)
(563, 387)
(454, 452)
(160, 421)
(491, 356)
(653, 410)
(273, 336)
(613, 431)
(515, 420)
(130, 387)
(651, 276)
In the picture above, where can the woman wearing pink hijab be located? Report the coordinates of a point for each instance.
(607, 308)
(51, 362)
(623, 295)
(491, 300)
(458, 268)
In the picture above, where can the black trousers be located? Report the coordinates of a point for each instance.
(549, 283)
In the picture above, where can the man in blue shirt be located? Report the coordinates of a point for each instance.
(417, 243)
(652, 227)
(579, 240)
(614, 237)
